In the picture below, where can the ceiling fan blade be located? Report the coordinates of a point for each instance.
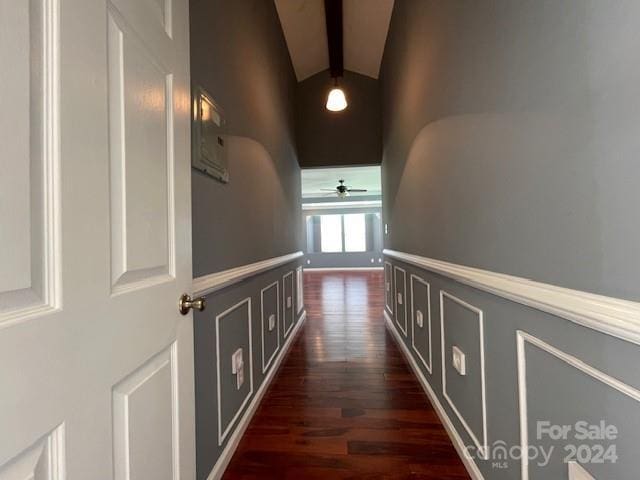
(356, 190)
(328, 190)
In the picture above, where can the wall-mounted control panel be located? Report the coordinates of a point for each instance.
(459, 361)
(208, 142)
(289, 302)
(272, 322)
(399, 298)
(237, 367)
(419, 319)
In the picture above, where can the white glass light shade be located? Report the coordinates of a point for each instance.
(336, 101)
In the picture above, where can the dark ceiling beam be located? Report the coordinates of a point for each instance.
(333, 14)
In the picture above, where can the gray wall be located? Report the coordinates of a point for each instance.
(239, 55)
(510, 133)
(350, 137)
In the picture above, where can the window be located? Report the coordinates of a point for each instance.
(337, 233)
(355, 233)
(331, 233)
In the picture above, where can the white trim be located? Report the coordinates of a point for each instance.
(284, 305)
(585, 368)
(404, 297)
(299, 289)
(340, 269)
(456, 439)
(226, 455)
(265, 366)
(483, 449)
(427, 365)
(613, 316)
(388, 284)
(216, 281)
(342, 205)
(223, 434)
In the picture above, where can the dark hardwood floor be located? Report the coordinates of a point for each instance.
(345, 404)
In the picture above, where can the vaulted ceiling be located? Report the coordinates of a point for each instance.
(365, 25)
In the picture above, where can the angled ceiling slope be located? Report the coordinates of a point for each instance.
(366, 24)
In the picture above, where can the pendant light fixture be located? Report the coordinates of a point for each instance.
(336, 100)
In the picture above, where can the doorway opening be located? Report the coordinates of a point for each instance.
(342, 217)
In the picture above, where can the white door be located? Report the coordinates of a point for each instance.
(96, 363)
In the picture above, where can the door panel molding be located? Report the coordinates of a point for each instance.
(36, 262)
(127, 409)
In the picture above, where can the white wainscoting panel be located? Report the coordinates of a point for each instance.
(522, 339)
(267, 361)
(388, 286)
(427, 362)
(224, 430)
(299, 289)
(402, 326)
(479, 440)
(287, 310)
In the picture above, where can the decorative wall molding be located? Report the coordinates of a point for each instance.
(482, 447)
(266, 362)
(522, 339)
(299, 290)
(285, 308)
(612, 316)
(404, 296)
(224, 431)
(388, 286)
(216, 281)
(427, 364)
(226, 455)
(456, 439)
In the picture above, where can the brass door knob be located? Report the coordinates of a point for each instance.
(186, 303)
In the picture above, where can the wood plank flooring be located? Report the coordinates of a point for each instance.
(345, 405)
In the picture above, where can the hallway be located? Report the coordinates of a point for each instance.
(344, 403)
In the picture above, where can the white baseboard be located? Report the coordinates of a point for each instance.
(236, 436)
(457, 441)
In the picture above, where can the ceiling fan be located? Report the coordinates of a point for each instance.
(342, 190)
